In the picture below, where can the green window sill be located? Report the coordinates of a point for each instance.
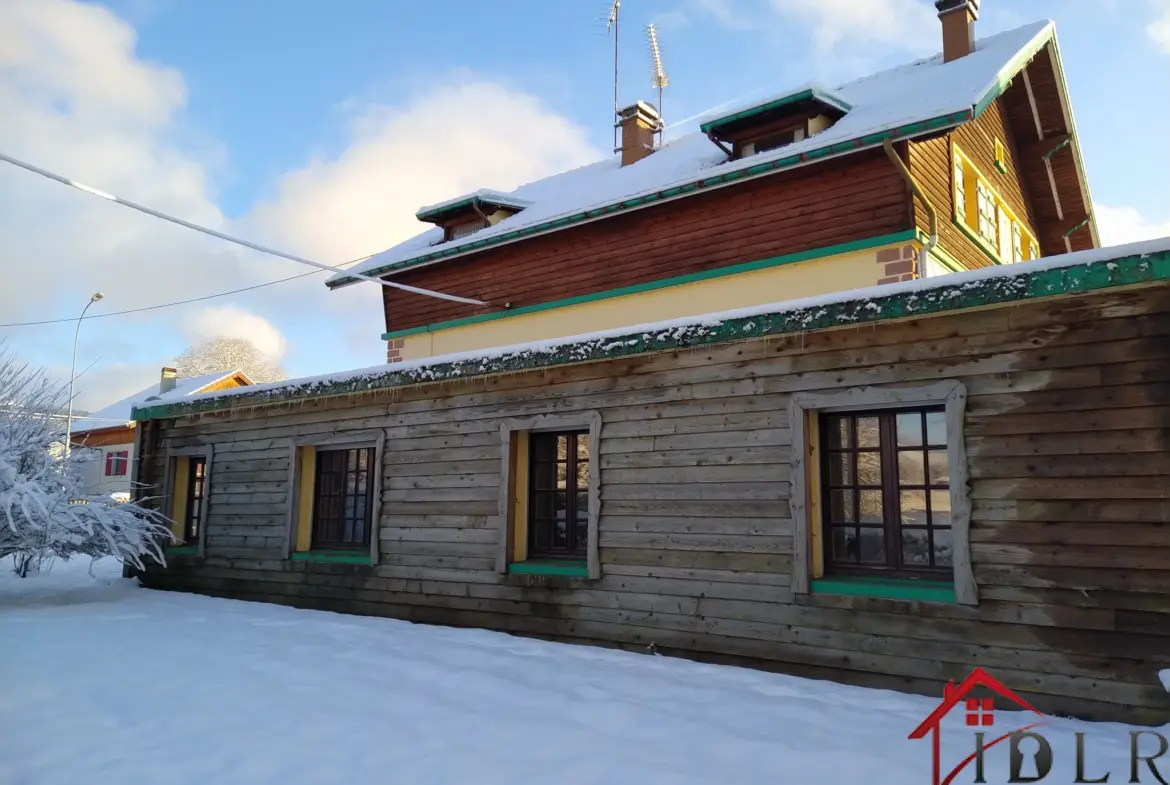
(181, 550)
(886, 588)
(573, 569)
(334, 557)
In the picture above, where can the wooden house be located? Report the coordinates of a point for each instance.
(886, 486)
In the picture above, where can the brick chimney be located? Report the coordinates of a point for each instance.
(167, 379)
(638, 122)
(958, 27)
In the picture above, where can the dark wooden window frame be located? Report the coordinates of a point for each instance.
(588, 421)
(207, 453)
(196, 499)
(889, 484)
(330, 524)
(375, 439)
(805, 408)
(574, 548)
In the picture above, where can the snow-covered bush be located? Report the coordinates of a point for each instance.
(45, 512)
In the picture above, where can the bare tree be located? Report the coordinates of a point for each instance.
(228, 354)
(45, 512)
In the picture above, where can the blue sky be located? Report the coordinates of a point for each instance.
(320, 127)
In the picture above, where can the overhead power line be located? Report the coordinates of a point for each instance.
(228, 238)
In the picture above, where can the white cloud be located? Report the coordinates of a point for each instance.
(76, 98)
(1159, 29)
(909, 24)
(232, 322)
(1119, 225)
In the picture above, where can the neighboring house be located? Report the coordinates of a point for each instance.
(885, 486)
(109, 433)
(784, 197)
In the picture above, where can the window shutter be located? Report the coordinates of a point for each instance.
(109, 463)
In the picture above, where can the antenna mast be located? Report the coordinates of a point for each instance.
(612, 24)
(659, 78)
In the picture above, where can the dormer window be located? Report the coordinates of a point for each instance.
(465, 215)
(776, 122)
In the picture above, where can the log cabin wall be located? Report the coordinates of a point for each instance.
(1065, 431)
(852, 198)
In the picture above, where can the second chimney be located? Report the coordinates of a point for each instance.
(958, 26)
(167, 380)
(638, 122)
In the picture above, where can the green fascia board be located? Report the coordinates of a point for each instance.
(572, 569)
(873, 307)
(181, 550)
(430, 215)
(886, 588)
(869, 140)
(705, 275)
(333, 557)
(803, 95)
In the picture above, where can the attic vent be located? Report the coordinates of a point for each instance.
(782, 120)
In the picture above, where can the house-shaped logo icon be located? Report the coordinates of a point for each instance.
(980, 714)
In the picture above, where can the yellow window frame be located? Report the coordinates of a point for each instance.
(966, 201)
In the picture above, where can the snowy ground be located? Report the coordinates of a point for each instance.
(105, 682)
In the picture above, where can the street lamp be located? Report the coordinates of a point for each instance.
(73, 374)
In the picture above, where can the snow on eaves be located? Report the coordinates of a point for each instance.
(895, 98)
(483, 195)
(921, 296)
(120, 413)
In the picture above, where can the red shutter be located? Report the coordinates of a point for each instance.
(125, 462)
(109, 464)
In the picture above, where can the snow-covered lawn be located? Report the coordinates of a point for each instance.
(105, 682)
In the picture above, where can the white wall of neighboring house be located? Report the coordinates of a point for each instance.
(94, 469)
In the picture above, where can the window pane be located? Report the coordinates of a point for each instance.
(544, 476)
(916, 547)
(841, 507)
(582, 505)
(910, 467)
(869, 468)
(844, 544)
(871, 507)
(940, 473)
(841, 469)
(910, 429)
(352, 457)
(867, 432)
(837, 431)
(562, 447)
(936, 429)
(943, 552)
(582, 533)
(544, 446)
(542, 505)
(583, 446)
(582, 475)
(560, 504)
(560, 534)
(914, 508)
(562, 475)
(940, 508)
(873, 546)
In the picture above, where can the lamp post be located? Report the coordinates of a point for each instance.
(73, 374)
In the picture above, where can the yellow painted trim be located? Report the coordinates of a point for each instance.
(520, 498)
(813, 503)
(307, 472)
(182, 478)
(970, 218)
(845, 271)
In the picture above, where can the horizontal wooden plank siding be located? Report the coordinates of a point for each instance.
(1066, 427)
(855, 198)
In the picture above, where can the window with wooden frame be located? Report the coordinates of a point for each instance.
(549, 496)
(335, 501)
(984, 216)
(460, 230)
(879, 501)
(117, 463)
(188, 486)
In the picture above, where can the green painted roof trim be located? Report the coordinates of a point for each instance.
(943, 298)
(913, 129)
(430, 215)
(721, 272)
(803, 95)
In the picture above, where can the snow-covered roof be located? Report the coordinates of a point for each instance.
(482, 196)
(911, 99)
(813, 91)
(1085, 271)
(120, 413)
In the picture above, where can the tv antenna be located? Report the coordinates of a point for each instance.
(611, 25)
(659, 78)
